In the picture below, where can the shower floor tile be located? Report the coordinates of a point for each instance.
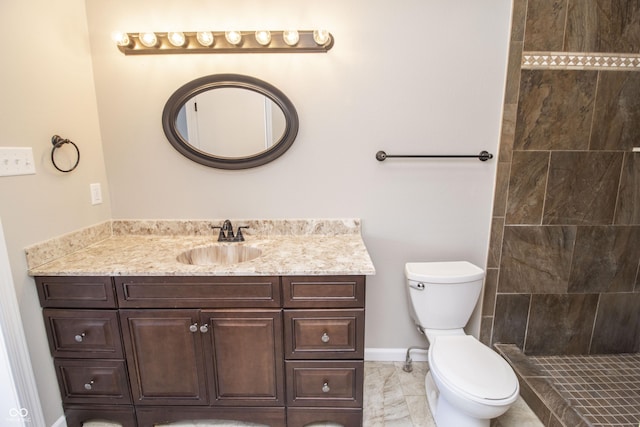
(604, 389)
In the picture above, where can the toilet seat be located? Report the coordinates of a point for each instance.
(473, 370)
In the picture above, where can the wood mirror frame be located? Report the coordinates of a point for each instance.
(184, 93)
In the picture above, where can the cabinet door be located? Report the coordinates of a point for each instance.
(246, 348)
(164, 356)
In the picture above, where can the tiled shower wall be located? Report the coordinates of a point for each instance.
(563, 267)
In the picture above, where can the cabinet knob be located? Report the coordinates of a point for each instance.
(80, 337)
(325, 338)
(325, 387)
(194, 327)
(204, 328)
(89, 385)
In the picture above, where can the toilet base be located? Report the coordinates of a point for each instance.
(443, 413)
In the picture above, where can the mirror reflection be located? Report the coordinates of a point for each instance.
(231, 122)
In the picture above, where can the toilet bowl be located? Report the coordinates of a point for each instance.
(468, 384)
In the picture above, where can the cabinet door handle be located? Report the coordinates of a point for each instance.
(194, 327)
(89, 385)
(80, 337)
(325, 338)
(325, 387)
(204, 328)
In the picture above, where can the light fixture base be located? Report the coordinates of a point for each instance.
(221, 45)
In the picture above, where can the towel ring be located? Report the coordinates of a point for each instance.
(58, 142)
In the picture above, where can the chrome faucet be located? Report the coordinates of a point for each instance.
(226, 232)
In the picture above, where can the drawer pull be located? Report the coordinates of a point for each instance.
(80, 337)
(325, 338)
(325, 387)
(194, 327)
(89, 385)
(204, 328)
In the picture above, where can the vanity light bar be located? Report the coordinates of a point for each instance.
(263, 41)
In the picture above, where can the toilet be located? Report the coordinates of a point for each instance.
(468, 384)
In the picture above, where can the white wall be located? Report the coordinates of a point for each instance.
(410, 76)
(46, 88)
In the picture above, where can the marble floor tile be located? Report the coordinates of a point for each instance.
(392, 398)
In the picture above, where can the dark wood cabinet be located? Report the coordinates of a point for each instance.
(164, 356)
(282, 351)
(83, 333)
(81, 319)
(245, 354)
(94, 381)
(324, 348)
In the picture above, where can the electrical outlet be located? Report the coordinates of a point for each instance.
(16, 161)
(96, 193)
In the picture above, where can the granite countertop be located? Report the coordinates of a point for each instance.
(150, 248)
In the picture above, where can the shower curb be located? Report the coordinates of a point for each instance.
(538, 392)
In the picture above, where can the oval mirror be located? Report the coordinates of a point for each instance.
(230, 121)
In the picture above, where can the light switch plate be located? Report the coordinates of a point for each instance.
(16, 161)
(96, 193)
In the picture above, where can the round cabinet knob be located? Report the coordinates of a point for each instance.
(325, 338)
(326, 388)
(193, 328)
(204, 328)
(80, 337)
(89, 385)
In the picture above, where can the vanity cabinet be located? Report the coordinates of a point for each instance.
(324, 348)
(81, 319)
(282, 351)
(201, 357)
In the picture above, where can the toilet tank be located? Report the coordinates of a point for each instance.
(442, 295)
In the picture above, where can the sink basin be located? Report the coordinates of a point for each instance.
(219, 254)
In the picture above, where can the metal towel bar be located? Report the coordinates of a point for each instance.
(483, 156)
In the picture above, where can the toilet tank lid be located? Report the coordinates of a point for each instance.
(443, 272)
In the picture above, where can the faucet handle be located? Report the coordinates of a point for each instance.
(239, 236)
(221, 235)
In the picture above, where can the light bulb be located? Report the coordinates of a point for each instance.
(176, 38)
(321, 37)
(148, 39)
(233, 37)
(291, 37)
(263, 37)
(205, 38)
(121, 39)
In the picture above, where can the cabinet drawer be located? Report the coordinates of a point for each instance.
(75, 291)
(92, 381)
(83, 333)
(198, 292)
(325, 383)
(327, 334)
(323, 291)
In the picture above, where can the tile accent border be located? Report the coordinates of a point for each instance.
(580, 61)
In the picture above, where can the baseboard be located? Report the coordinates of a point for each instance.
(393, 355)
(60, 422)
